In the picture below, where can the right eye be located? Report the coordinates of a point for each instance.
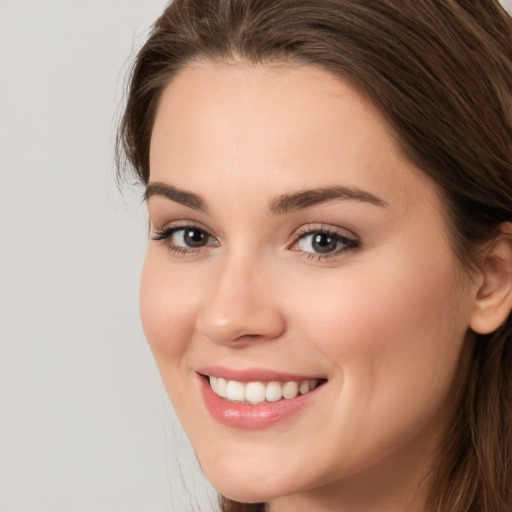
(185, 239)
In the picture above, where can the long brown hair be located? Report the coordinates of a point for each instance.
(440, 71)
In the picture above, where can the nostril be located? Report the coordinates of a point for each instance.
(250, 336)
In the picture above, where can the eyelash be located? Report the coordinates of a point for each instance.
(348, 244)
(164, 235)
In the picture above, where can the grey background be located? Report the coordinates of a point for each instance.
(85, 425)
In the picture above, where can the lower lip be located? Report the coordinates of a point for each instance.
(246, 416)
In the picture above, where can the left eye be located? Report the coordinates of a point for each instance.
(189, 237)
(320, 242)
(184, 238)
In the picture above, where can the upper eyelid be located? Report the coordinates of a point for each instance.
(294, 236)
(173, 229)
(324, 228)
(175, 225)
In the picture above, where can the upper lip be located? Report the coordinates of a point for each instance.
(253, 374)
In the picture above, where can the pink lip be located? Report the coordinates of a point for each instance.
(246, 416)
(252, 374)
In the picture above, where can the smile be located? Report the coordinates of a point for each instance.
(256, 393)
(256, 399)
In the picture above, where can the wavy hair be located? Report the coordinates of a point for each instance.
(440, 72)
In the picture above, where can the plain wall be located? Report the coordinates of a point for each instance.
(85, 425)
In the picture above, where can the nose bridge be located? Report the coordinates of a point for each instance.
(240, 303)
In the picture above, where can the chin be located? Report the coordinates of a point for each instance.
(248, 487)
(244, 495)
(243, 488)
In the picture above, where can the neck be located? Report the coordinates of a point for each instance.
(390, 487)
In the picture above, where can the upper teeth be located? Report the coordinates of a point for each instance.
(258, 392)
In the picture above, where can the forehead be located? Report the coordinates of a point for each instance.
(272, 129)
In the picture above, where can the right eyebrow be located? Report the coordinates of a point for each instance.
(308, 198)
(183, 197)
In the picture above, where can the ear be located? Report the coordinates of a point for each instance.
(493, 302)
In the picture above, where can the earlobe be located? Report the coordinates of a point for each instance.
(493, 302)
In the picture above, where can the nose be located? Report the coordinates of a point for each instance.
(241, 306)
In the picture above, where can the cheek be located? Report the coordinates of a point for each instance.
(393, 331)
(392, 335)
(167, 314)
(389, 300)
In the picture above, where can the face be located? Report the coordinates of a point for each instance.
(300, 266)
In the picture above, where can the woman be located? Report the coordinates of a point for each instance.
(328, 283)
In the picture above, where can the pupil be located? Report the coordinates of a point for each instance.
(195, 238)
(324, 243)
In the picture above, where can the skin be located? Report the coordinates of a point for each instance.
(386, 323)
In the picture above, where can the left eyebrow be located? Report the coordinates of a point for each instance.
(306, 198)
(183, 197)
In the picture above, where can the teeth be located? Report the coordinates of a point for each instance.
(235, 391)
(291, 390)
(255, 392)
(221, 387)
(274, 392)
(259, 392)
(304, 387)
